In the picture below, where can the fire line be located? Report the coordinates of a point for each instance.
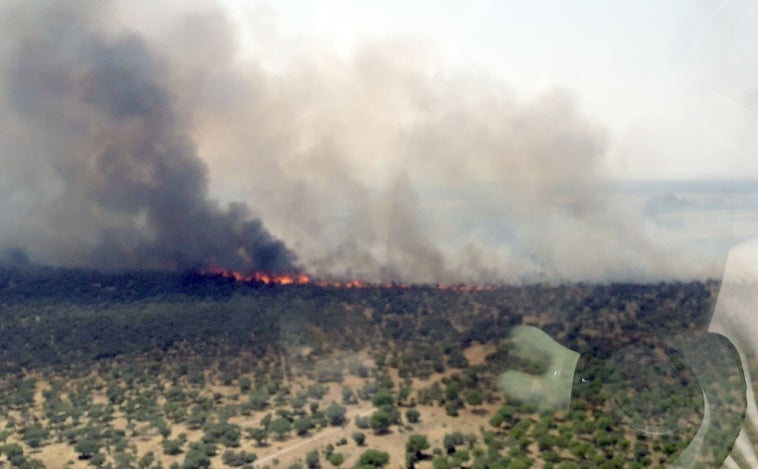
(266, 278)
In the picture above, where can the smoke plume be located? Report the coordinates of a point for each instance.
(99, 159)
(125, 145)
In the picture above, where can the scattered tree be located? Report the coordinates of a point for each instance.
(360, 438)
(302, 425)
(373, 457)
(336, 459)
(259, 434)
(414, 448)
(335, 413)
(281, 427)
(380, 422)
(87, 448)
(312, 460)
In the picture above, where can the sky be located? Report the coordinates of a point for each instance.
(675, 82)
(432, 142)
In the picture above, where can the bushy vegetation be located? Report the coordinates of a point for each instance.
(150, 349)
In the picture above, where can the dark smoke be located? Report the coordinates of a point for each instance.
(101, 156)
(120, 125)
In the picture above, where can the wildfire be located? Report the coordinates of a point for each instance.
(261, 277)
(266, 278)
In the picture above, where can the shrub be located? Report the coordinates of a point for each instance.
(360, 438)
(372, 457)
(336, 459)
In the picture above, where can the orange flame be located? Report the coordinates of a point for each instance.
(304, 279)
(260, 277)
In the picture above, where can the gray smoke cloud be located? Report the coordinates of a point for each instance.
(118, 136)
(99, 159)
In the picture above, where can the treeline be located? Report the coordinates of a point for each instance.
(63, 316)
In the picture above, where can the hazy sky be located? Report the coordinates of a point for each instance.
(676, 82)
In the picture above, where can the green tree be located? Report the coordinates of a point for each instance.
(568, 465)
(175, 411)
(14, 452)
(259, 434)
(460, 457)
(87, 447)
(380, 421)
(298, 402)
(362, 422)
(97, 460)
(336, 459)
(412, 415)
(146, 460)
(317, 391)
(383, 398)
(281, 427)
(197, 418)
(258, 400)
(403, 394)
(164, 429)
(207, 447)
(505, 414)
(414, 448)
(196, 459)
(348, 397)
(32, 464)
(228, 434)
(172, 447)
(235, 459)
(451, 440)
(456, 359)
(335, 413)
(550, 456)
(35, 434)
(441, 462)
(302, 425)
(312, 460)
(474, 398)
(123, 460)
(452, 406)
(373, 457)
(416, 443)
(359, 438)
(521, 462)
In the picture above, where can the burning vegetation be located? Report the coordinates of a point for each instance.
(300, 278)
